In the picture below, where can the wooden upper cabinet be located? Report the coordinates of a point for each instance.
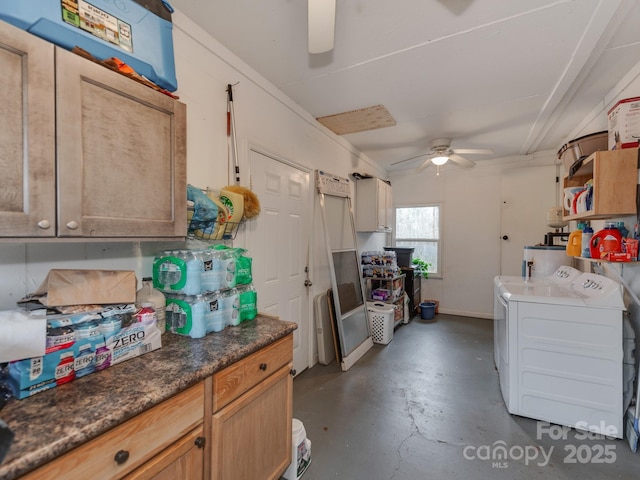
(374, 205)
(614, 178)
(121, 151)
(86, 152)
(27, 135)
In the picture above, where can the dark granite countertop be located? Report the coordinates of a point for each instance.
(55, 421)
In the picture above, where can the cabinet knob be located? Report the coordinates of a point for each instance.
(293, 372)
(121, 457)
(44, 224)
(72, 225)
(200, 442)
(263, 366)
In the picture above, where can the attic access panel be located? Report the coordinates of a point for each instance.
(361, 120)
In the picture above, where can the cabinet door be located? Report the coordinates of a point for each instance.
(27, 135)
(183, 459)
(373, 205)
(381, 206)
(121, 150)
(251, 437)
(388, 205)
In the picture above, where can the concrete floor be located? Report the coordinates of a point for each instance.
(428, 406)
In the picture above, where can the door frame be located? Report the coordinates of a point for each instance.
(245, 161)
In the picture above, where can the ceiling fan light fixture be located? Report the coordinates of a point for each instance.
(440, 160)
(322, 20)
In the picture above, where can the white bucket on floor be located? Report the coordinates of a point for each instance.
(300, 451)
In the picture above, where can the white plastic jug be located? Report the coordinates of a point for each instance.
(300, 451)
(149, 294)
(569, 195)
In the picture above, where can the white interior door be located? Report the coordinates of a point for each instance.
(279, 242)
(527, 194)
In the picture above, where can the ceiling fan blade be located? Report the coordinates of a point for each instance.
(478, 151)
(463, 162)
(322, 22)
(424, 165)
(411, 158)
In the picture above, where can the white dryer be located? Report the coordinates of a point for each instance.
(558, 348)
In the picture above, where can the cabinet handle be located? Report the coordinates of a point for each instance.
(293, 372)
(72, 225)
(200, 442)
(121, 457)
(263, 366)
(44, 224)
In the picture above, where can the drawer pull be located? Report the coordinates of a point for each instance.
(121, 457)
(263, 367)
(200, 442)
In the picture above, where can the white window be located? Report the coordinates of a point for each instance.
(419, 227)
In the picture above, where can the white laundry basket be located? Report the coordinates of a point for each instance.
(381, 321)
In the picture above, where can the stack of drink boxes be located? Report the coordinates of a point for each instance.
(83, 343)
(379, 264)
(206, 289)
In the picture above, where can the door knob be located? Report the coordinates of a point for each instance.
(72, 225)
(505, 237)
(44, 224)
(200, 442)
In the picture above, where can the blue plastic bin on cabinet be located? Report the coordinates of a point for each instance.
(141, 36)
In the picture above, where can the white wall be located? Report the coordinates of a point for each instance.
(471, 202)
(471, 220)
(264, 118)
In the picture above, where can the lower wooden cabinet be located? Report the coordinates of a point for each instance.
(252, 435)
(235, 425)
(251, 429)
(148, 437)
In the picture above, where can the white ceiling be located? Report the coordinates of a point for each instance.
(514, 76)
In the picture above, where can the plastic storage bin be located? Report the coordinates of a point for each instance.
(381, 319)
(141, 36)
(427, 310)
(404, 255)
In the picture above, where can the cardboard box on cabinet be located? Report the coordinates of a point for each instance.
(85, 287)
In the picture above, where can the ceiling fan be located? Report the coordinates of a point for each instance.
(441, 152)
(322, 23)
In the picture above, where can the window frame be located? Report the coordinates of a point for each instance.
(438, 241)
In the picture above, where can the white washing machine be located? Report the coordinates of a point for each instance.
(558, 348)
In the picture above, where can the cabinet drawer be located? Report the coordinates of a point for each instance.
(142, 437)
(183, 459)
(233, 381)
